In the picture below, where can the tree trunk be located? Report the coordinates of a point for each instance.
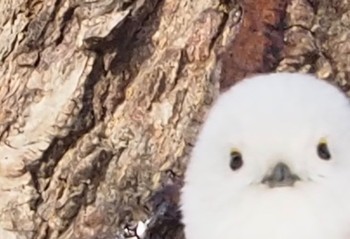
(101, 101)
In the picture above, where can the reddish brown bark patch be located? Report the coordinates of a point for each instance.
(257, 48)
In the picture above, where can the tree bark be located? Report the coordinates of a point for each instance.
(101, 101)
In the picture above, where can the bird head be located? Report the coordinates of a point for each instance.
(273, 132)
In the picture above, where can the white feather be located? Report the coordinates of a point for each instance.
(277, 117)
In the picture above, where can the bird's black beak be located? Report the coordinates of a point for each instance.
(281, 176)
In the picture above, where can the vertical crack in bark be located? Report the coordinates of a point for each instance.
(85, 121)
(257, 46)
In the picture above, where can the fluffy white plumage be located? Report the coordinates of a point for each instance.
(288, 119)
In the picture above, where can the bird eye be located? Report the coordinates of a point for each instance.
(323, 151)
(236, 160)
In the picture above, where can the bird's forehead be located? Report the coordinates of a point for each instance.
(280, 131)
(280, 125)
(278, 110)
(274, 134)
(285, 107)
(276, 119)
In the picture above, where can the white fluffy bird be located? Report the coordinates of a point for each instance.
(272, 161)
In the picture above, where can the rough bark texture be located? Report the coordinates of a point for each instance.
(101, 101)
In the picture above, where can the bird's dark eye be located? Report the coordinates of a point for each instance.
(236, 161)
(323, 151)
